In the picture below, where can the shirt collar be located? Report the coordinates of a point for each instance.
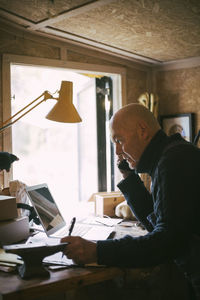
(152, 153)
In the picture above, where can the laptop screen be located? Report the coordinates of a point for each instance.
(46, 208)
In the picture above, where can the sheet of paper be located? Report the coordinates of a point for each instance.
(99, 220)
(9, 257)
(41, 237)
(58, 259)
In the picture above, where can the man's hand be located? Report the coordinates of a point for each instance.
(81, 251)
(123, 166)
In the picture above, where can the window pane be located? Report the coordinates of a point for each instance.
(87, 141)
(62, 155)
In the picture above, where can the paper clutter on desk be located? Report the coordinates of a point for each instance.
(9, 258)
(8, 261)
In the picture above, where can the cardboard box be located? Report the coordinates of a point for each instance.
(105, 203)
(8, 208)
(14, 231)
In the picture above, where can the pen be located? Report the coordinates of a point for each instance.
(73, 221)
(72, 225)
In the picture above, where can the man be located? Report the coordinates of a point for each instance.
(171, 212)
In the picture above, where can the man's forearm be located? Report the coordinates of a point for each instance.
(138, 198)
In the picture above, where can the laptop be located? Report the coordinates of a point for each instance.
(52, 220)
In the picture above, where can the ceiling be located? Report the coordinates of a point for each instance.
(150, 30)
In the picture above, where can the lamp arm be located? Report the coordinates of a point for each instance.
(4, 127)
(46, 95)
(27, 112)
(13, 122)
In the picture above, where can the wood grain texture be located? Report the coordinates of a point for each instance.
(17, 45)
(178, 92)
(136, 84)
(13, 287)
(158, 30)
(154, 29)
(39, 10)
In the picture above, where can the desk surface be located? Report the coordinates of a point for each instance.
(13, 287)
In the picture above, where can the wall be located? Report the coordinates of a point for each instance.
(178, 92)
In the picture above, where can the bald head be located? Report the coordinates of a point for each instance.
(132, 128)
(128, 116)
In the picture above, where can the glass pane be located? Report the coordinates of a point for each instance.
(87, 146)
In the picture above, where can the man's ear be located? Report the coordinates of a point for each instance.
(142, 130)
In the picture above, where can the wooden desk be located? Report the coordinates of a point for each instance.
(162, 281)
(13, 287)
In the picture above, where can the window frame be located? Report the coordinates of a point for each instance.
(9, 59)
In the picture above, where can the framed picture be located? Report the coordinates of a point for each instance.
(181, 123)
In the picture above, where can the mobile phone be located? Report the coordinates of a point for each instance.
(123, 165)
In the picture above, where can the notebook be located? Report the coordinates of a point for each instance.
(52, 220)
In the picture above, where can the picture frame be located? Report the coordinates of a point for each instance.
(178, 123)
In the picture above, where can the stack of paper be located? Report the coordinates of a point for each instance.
(8, 261)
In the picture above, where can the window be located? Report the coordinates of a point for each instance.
(65, 156)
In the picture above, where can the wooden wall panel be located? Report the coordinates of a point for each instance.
(178, 91)
(136, 85)
(18, 45)
(79, 57)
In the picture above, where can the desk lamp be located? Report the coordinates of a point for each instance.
(64, 111)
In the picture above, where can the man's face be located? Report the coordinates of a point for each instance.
(127, 144)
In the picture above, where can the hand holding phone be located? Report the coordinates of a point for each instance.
(124, 167)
